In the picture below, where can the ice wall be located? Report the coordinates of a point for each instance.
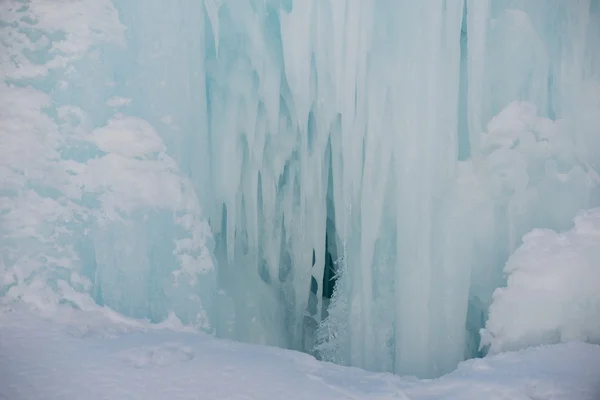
(94, 212)
(405, 147)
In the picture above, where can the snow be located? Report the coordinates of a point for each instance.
(42, 359)
(552, 292)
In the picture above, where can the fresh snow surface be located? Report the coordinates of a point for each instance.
(87, 359)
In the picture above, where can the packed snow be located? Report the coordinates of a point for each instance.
(96, 358)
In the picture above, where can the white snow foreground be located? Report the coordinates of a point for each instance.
(43, 359)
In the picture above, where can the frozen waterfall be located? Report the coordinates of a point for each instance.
(342, 177)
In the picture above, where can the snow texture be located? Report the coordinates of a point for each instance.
(40, 359)
(225, 164)
(552, 293)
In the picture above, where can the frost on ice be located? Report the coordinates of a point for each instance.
(90, 209)
(346, 178)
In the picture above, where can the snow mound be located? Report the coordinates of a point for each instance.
(552, 291)
(39, 359)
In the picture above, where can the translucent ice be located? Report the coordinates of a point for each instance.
(365, 167)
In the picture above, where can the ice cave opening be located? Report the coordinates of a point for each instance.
(347, 178)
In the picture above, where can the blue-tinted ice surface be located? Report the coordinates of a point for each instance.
(222, 161)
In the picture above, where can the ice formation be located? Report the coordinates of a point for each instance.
(346, 177)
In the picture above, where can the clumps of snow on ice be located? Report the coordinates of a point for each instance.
(70, 28)
(135, 172)
(552, 292)
(127, 137)
(524, 150)
(66, 185)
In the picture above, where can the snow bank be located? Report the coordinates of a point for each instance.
(552, 292)
(48, 360)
